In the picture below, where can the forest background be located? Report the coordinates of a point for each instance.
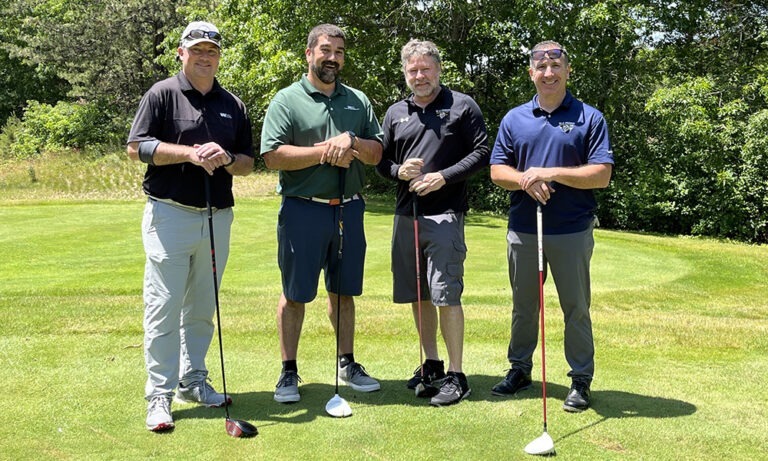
(683, 85)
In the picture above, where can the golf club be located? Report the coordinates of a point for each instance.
(337, 406)
(234, 427)
(421, 387)
(542, 445)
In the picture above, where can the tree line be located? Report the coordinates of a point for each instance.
(683, 85)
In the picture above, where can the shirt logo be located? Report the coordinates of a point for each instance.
(442, 113)
(567, 126)
(225, 115)
(403, 120)
(352, 108)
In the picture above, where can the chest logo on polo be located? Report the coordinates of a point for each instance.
(567, 126)
(402, 120)
(442, 113)
(355, 108)
(225, 115)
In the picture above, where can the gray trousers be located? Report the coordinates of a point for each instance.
(567, 256)
(178, 292)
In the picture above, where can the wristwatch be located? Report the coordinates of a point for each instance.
(232, 158)
(352, 138)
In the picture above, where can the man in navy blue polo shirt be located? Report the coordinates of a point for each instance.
(551, 151)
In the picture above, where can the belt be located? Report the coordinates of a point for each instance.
(331, 201)
(176, 204)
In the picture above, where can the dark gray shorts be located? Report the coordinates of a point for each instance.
(441, 260)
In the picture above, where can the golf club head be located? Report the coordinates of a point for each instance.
(240, 429)
(542, 445)
(425, 391)
(338, 407)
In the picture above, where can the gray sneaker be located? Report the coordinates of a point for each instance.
(355, 376)
(159, 414)
(287, 389)
(453, 389)
(203, 393)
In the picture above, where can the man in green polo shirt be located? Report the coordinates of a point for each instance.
(319, 134)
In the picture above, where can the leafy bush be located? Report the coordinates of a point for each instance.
(66, 125)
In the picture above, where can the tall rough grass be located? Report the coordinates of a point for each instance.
(95, 176)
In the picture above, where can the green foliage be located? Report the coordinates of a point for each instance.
(63, 126)
(681, 86)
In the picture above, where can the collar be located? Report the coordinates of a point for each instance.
(437, 100)
(310, 88)
(186, 86)
(565, 105)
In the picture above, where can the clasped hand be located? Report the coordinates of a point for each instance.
(536, 182)
(338, 151)
(210, 156)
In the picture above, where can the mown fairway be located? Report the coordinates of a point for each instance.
(681, 328)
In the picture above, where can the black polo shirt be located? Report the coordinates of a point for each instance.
(449, 135)
(173, 111)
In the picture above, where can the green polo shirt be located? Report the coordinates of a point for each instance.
(301, 115)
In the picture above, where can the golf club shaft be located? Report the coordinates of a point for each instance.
(342, 184)
(540, 248)
(417, 252)
(216, 289)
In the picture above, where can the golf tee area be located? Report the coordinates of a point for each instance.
(680, 327)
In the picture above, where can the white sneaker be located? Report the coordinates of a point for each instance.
(203, 393)
(159, 414)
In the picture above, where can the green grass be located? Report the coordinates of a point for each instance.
(681, 331)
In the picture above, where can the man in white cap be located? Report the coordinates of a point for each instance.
(194, 136)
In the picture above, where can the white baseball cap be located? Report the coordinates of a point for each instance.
(198, 32)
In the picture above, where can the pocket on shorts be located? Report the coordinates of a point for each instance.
(461, 249)
(456, 268)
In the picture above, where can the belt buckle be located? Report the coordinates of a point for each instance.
(334, 202)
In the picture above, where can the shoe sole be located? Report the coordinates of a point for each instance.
(178, 399)
(368, 388)
(572, 409)
(359, 388)
(287, 398)
(509, 394)
(162, 427)
(454, 402)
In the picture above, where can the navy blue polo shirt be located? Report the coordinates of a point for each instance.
(575, 134)
(173, 111)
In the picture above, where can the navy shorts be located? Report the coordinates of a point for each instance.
(442, 252)
(308, 242)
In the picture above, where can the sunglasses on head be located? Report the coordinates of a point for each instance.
(196, 34)
(554, 53)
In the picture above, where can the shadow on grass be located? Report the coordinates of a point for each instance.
(260, 406)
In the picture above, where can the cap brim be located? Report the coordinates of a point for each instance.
(188, 43)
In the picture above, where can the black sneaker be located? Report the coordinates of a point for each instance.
(453, 389)
(578, 397)
(434, 370)
(515, 381)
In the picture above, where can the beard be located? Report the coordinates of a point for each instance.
(423, 91)
(327, 72)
